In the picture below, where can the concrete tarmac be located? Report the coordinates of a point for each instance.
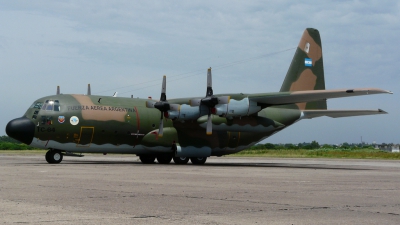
(115, 189)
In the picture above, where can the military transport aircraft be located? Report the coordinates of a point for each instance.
(186, 128)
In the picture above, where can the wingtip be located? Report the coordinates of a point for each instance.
(382, 111)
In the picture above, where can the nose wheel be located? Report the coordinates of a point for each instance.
(54, 156)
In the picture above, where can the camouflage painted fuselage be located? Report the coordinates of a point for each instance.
(101, 124)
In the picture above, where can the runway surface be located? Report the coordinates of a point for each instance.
(120, 190)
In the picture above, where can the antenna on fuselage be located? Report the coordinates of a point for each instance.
(58, 90)
(89, 92)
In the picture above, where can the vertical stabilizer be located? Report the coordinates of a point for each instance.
(306, 72)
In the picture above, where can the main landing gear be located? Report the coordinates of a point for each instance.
(166, 159)
(181, 160)
(54, 156)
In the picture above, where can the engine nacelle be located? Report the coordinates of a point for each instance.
(184, 112)
(235, 108)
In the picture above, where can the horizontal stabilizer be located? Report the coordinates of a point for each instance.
(283, 98)
(309, 114)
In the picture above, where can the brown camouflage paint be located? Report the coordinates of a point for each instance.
(99, 115)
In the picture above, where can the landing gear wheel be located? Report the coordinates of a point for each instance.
(181, 160)
(198, 160)
(146, 159)
(54, 157)
(164, 159)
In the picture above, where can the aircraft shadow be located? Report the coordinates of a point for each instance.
(236, 164)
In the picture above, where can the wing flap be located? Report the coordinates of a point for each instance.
(309, 114)
(282, 98)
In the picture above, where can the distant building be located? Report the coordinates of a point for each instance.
(388, 147)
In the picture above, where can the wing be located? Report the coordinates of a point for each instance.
(283, 98)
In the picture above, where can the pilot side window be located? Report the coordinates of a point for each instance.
(37, 105)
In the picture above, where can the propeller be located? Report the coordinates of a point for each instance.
(161, 105)
(210, 101)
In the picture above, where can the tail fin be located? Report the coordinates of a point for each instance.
(306, 72)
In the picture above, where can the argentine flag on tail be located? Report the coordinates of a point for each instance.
(308, 62)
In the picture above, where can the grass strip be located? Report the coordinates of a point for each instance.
(320, 153)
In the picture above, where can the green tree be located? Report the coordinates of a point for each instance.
(327, 146)
(314, 145)
(8, 139)
(290, 146)
(269, 146)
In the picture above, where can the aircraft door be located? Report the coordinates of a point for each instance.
(133, 119)
(86, 137)
(233, 139)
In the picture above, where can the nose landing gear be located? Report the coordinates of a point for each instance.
(54, 156)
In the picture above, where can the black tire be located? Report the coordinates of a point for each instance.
(146, 159)
(181, 160)
(54, 157)
(198, 160)
(164, 159)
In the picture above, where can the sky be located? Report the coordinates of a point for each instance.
(127, 46)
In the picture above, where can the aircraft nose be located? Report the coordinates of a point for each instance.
(21, 129)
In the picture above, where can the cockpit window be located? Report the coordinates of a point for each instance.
(52, 105)
(36, 105)
(56, 106)
(49, 105)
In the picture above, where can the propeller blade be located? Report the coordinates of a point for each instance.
(209, 125)
(209, 83)
(161, 128)
(163, 97)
